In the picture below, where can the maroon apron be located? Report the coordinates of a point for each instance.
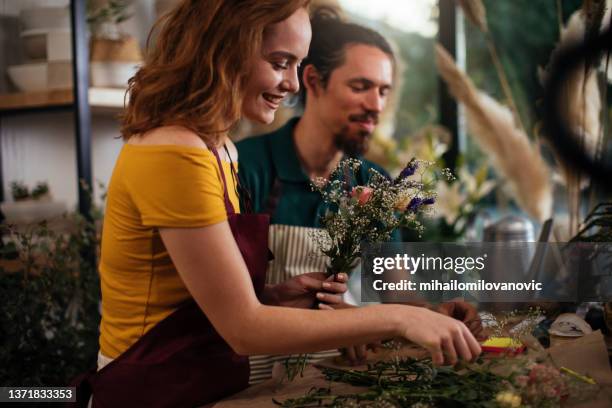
(183, 361)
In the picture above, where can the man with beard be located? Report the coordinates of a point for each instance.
(345, 84)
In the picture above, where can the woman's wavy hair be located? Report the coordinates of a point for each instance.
(195, 73)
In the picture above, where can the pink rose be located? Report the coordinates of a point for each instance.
(362, 194)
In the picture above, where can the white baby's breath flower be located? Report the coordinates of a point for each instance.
(369, 212)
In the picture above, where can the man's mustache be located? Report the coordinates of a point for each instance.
(364, 117)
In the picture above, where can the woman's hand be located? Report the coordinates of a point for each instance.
(304, 291)
(464, 312)
(447, 339)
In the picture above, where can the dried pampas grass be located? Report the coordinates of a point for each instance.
(509, 148)
(475, 11)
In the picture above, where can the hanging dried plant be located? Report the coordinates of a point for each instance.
(581, 91)
(494, 129)
(475, 11)
(581, 107)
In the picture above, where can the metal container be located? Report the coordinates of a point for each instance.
(511, 255)
(512, 228)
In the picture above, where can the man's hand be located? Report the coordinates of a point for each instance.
(358, 355)
(305, 290)
(464, 312)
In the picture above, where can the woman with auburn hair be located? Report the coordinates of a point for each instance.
(182, 272)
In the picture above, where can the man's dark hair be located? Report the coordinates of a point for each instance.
(330, 38)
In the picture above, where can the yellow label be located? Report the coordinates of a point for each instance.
(502, 342)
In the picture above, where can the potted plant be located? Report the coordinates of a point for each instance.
(41, 192)
(115, 55)
(30, 206)
(19, 191)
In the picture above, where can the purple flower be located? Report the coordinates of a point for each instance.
(417, 202)
(409, 170)
(414, 204)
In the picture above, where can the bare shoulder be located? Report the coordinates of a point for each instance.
(231, 147)
(168, 135)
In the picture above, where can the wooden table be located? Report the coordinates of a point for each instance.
(583, 355)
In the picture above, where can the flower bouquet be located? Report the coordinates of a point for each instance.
(371, 212)
(366, 213)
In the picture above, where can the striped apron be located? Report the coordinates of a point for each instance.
(295, 253)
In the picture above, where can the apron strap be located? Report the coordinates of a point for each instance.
(229, 207)
(243, 193)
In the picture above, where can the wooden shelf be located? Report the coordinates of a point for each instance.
(101, 100)
(34, 100)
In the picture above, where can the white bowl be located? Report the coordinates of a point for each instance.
(29, 77)
(112, 74)
(25, 212)
(41, 76)
(45, 17)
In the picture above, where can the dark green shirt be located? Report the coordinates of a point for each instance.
(269, 164)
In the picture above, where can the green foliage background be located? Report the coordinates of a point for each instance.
(50, 308)
(524, 31)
